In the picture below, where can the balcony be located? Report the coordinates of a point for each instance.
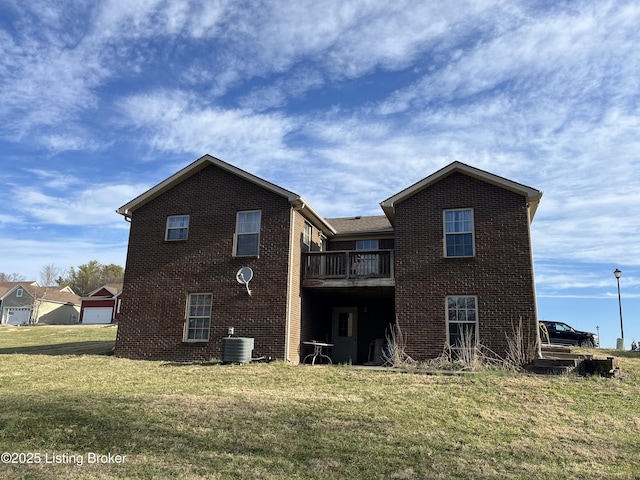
(349, 268)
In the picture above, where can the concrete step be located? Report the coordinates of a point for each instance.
(556, 362)
(549, 369)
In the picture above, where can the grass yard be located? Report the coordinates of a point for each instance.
(276, 421)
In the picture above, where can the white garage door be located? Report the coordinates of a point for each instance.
(16, 316)
(97, 315)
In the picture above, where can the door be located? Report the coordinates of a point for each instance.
(97, 315)
(16, 315)
(345, 335)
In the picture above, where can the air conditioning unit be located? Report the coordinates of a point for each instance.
(237, 349)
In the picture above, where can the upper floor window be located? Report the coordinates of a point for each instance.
(306, 237)
(19, 292)
(177, 227)
(247, 237)
(198, 321)
(462, 321)
(458, 233)
(366, 244)
(366, 263)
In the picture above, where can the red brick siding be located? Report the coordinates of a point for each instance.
(159, 275)
(500, 274)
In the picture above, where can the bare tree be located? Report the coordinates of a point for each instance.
(12, 277)
(50, 275)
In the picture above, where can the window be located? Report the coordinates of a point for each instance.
(366, 244)
(462, 321)
(306, 237)
(19, 292)
(458, 233)
(367, 263)
(247, 238)
(177, 227)
(198, 317)
(345, 324)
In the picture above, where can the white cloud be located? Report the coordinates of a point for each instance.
(177, 122)
(94, 205)
(28, 256)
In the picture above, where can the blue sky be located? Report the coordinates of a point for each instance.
(345, 103)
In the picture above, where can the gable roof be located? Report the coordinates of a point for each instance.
(296, 200)
(533, 196)
(55, 294)
(8, 287)
(109, 290)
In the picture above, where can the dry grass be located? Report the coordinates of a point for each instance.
(276, 421)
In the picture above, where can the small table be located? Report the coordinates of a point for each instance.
(317, 351)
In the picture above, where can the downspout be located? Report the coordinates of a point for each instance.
(287, 339)
(533, 285)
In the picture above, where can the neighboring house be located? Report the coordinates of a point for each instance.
(24, 303)
(451, 255)
(16, 302)
(102, 305)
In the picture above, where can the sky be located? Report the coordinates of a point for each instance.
(343, 102)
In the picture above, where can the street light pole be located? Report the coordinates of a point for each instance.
(617, 273)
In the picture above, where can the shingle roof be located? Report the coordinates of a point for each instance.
(377, 223)
(6, 286)
(56, 294)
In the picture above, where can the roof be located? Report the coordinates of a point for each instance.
(206, 160)
(53, 294)
(6, 287)
(56, 294)
(533, 196)
(355, 225)
(113, 288)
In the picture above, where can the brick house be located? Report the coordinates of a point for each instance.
(451, 255)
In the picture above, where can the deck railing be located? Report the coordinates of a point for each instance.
(351, 264)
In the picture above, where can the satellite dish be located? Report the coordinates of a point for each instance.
(244, 276)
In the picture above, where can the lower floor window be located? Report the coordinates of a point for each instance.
(198, 317)
(462, 321)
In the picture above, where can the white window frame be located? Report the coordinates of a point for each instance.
(170, 228)
(238, 233)
(198, 312)
(465, 321)
(307, 234)
(19, 292)
(465, 232)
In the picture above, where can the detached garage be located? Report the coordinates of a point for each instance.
(101, 306)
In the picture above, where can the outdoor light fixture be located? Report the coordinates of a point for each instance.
(620, 345)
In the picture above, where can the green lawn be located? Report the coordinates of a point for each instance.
(276, 421)
(58, 340)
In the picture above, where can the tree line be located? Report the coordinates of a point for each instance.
(83, 279)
